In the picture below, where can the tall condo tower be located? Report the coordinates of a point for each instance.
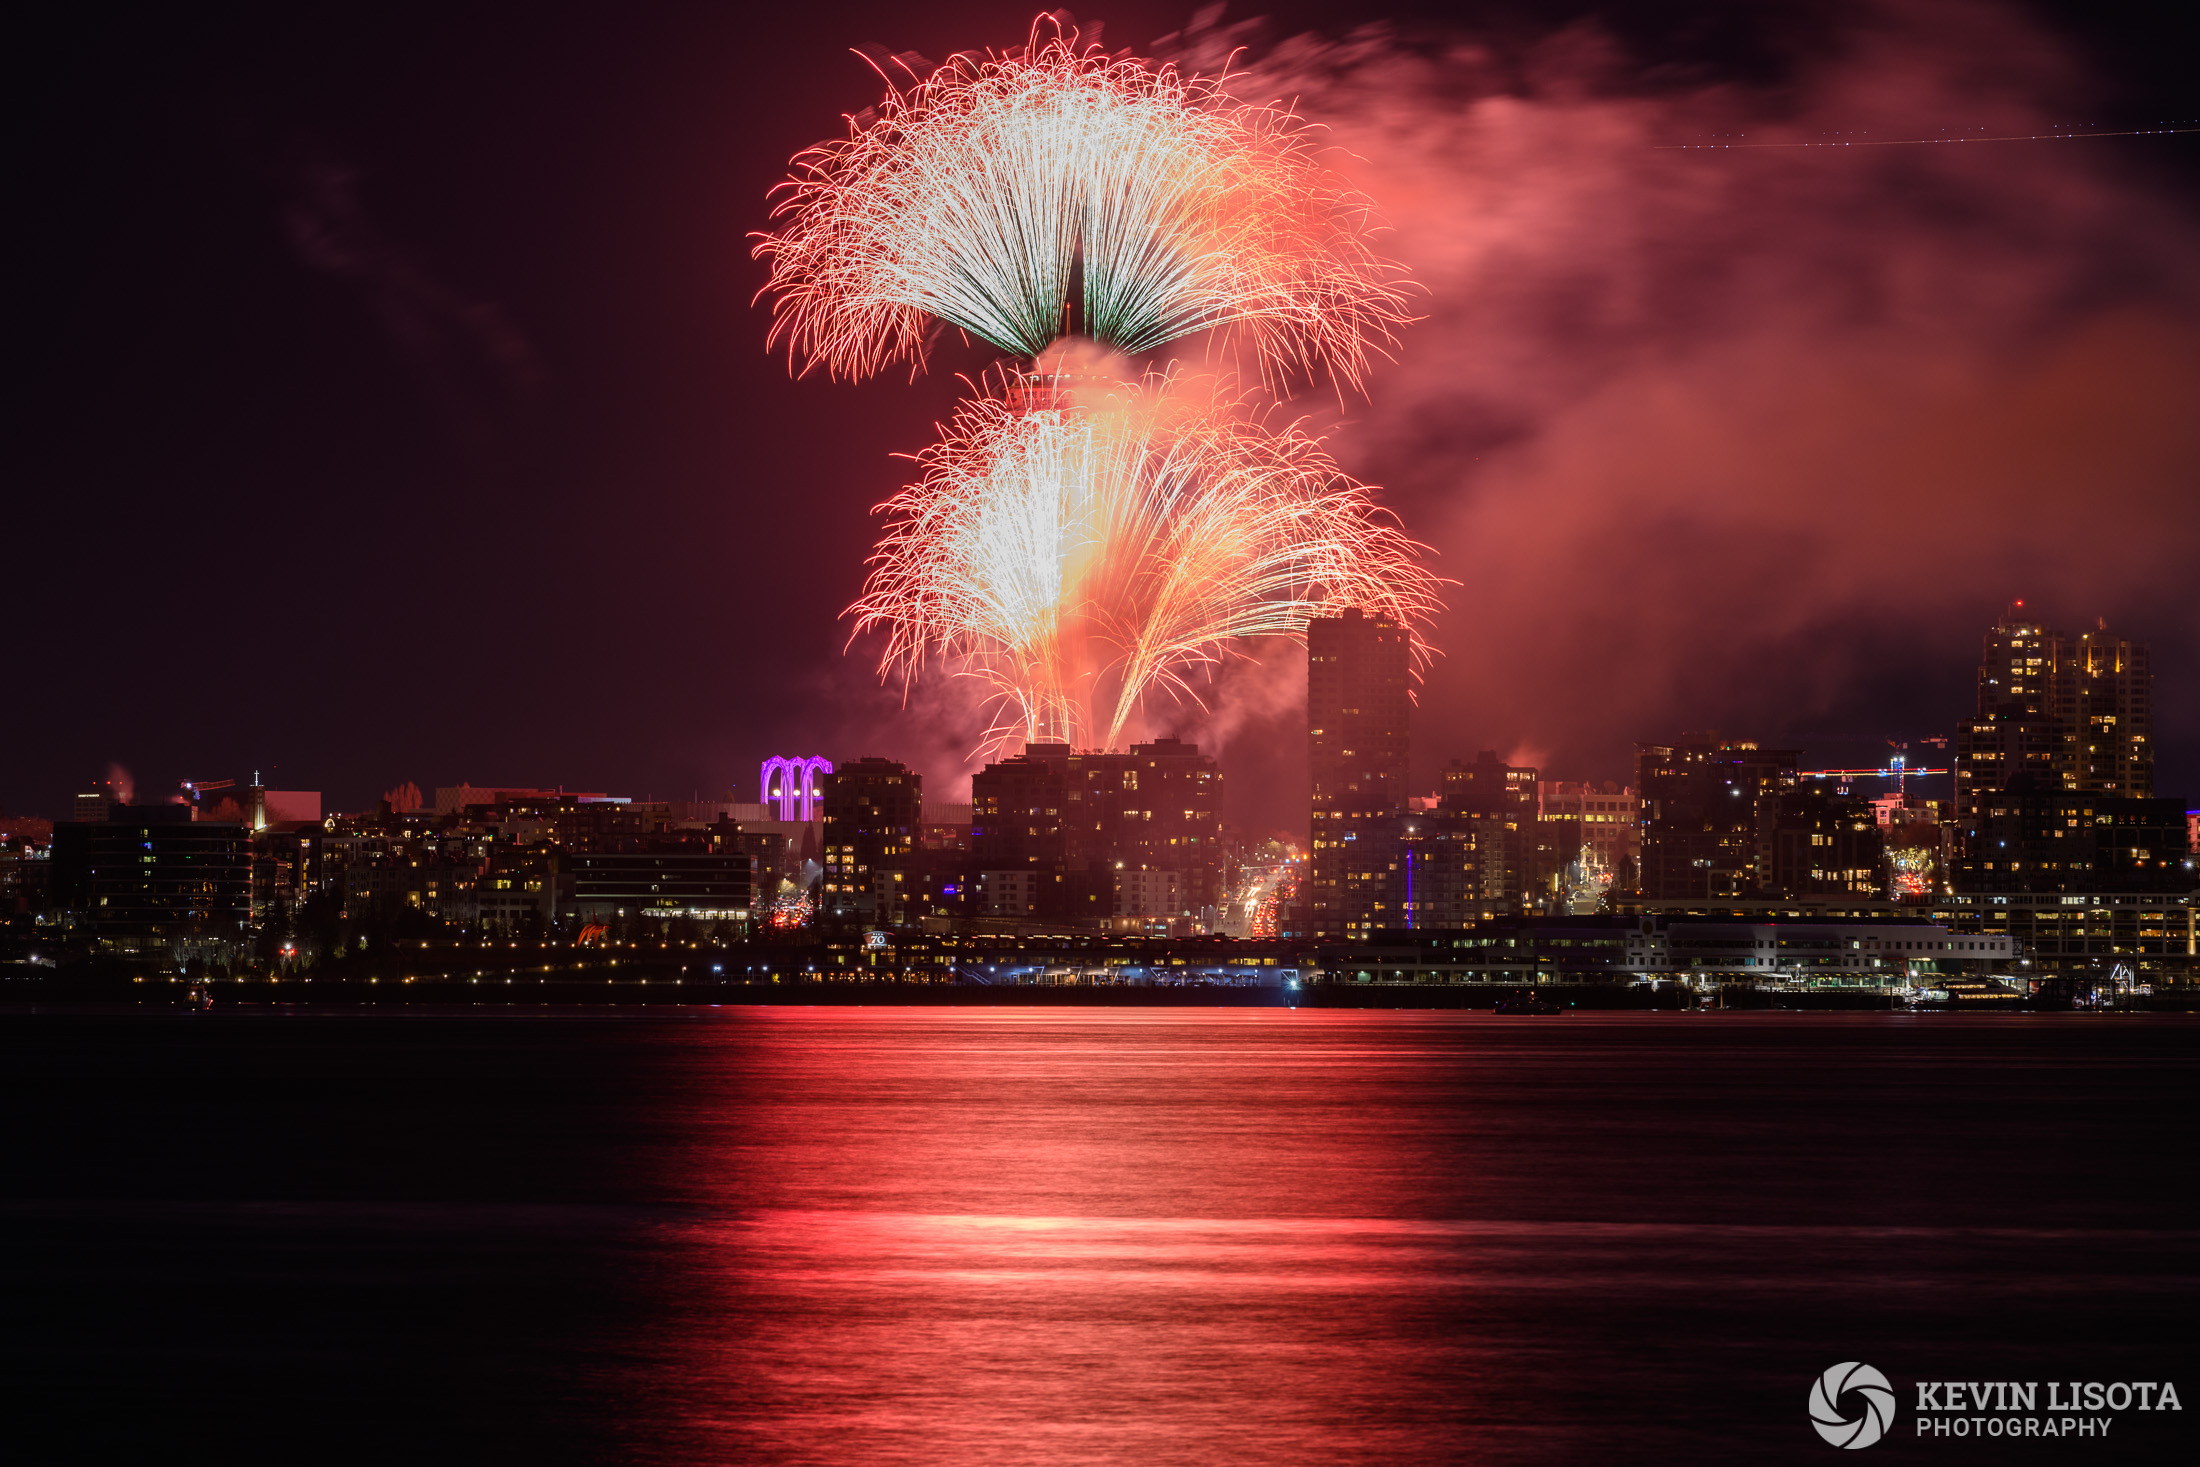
(1358, 705)
(2021, 736)
(2055, 713)
(873, 811)
(2107, 698)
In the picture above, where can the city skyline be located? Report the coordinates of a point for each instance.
(1437, 752)
(2047, 795)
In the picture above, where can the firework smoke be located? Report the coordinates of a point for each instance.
(1025, 194)
(1077, 546)
(1671, 384)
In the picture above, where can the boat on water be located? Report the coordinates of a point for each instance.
(1975, 995)
(1527, 1003)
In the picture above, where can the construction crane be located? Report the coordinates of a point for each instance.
(1898, 768)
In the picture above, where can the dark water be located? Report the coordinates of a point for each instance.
(1077, 1236)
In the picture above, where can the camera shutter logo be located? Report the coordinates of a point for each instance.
(1872, 1395)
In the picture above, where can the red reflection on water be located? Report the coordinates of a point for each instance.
(1063, 1236)
(1160, 1237)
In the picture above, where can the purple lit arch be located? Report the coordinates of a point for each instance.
(798, 789)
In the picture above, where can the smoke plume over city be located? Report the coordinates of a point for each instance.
(1713, 425)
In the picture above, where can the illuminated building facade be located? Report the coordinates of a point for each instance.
(518, 895)
(573, 820)
(1710, 809)
(674, 881)
(1157, 808)
(2035, 840)
(2019, 737)
(287, 869)
(874, 810)
(1489, 786)
(1828, 845)
(1011, 893)
(1607, 816)
(150, 875)
(2085, 937)
(1440, 874)
(2107, 698)
(2055, 773)
(2072, 713)
(1150, 894)
(459, 798)
(1358, 711)
(1501, 801)
(1863, 951)
(1016, 809)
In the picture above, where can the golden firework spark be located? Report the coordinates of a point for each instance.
(1078, 547)
(1027, 194)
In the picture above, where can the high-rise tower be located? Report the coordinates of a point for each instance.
(2056, 763)
(2055, 714)
(2021, 735)
(2107, 698)
(1710, 816)
(873, 809)
(1501, 803)
(1052, 810)
(1358, 706)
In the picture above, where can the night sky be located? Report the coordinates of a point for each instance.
(391, 403)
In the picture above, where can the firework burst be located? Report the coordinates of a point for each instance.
(1025, 194)
(1078, 556)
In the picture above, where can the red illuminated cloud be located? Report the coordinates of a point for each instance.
(1711, 436)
